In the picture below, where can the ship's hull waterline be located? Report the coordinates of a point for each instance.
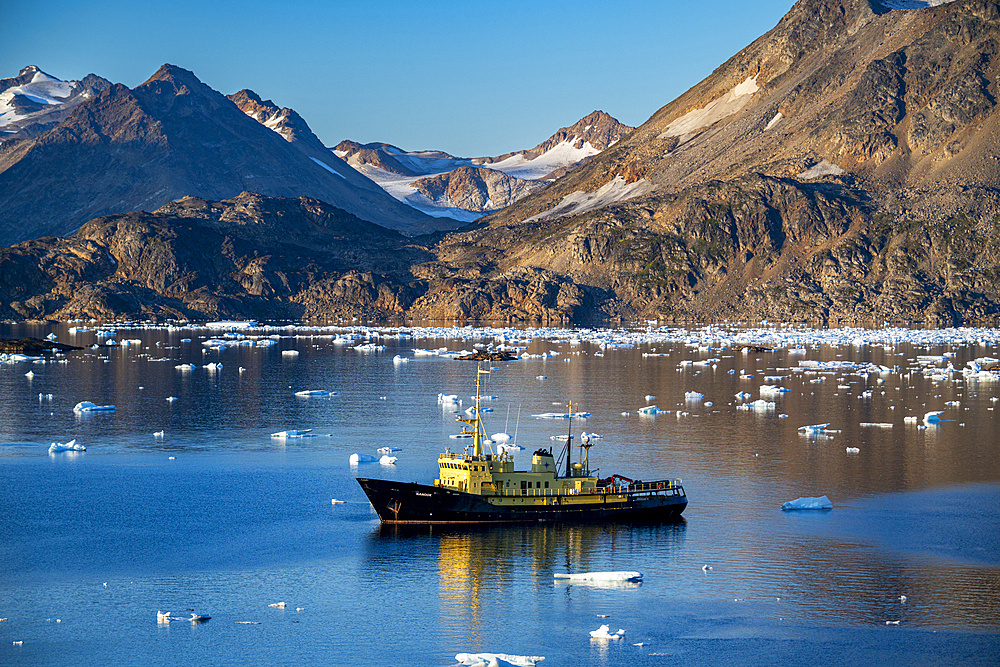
(412, 503)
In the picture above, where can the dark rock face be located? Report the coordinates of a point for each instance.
(476, 188)
(251, 256)
(171, 137)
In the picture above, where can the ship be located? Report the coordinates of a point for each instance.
(482, 487)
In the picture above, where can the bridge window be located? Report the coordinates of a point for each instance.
(546, 485)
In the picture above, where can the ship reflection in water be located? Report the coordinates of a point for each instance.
(490, 572)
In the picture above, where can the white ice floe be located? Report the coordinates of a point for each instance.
(817, 503)
(649, 410)
(387, 460)
(305, 393)
(693, 397)
(362, 458)
(71, 446)
(853, 450)
(500, 437)
(813, 428)
(292, 433)
(289, 353)
(185, 367)
(562, 415)
(171, 399)
(760, 406)
(497, 659)
(278, 605)
(933, 417)
(399, 359)
(603, 633)
(620, 575)
(87, 406)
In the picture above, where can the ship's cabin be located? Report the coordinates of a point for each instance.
(491, 474)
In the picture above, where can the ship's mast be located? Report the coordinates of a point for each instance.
(477, 439)
(569, 440)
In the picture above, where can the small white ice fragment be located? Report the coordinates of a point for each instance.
(71, 446)
(279, 605)
(387, 460)
(362, 458)
(87, 406)
(817, 503)
(623, 575)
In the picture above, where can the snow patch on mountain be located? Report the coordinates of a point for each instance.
(563, 154)
(42, 89)
(326, 166)
(913, 4)
(578, 202)
(722, 107)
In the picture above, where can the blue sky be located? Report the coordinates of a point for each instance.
(469, 78)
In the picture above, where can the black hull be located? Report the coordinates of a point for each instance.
(407, 502)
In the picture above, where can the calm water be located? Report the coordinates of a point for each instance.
(217, 517)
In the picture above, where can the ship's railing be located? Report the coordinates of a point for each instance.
(666, 487)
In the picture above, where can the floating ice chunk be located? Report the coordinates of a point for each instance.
(171, 399)
(387, 460)
(158, 434)
(818, 503)
(447, 398)
(305, 393)
(504, 448)
(71, 446)
(693, 396)
(491, 659)
(602, 633)
(562, 415)
(399, 360)
(910, 420)
(388, 450)
(51, 336)
(649, 410)
(621, 575)
(813, 428)
(650, 397)
(29, 375)
(760, 405)
(933, 417)
(293, 433)
(362, 458)
(853, 450)
(87, 406)
(289, 353)
(212, 367)
(771, 390)
(541, 377)
(500, 437)
(185, 367)
(334, 501)
(876, 424)
(278, 605)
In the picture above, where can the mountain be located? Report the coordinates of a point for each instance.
(170, 137)
(465, 188)
(249, 256)
(841, 168)
(34, 101)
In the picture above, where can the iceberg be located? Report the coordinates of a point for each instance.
(387, 460)
(504, 448)
(362, 458)
(71, 446)
(315, 392)
(693, 396)
(500, 437)
(819, 503)
(87, 406)
(389, 450)
(293, 433)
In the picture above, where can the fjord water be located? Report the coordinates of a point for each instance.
(218, 517)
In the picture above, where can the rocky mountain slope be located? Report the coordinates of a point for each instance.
(250, 256)
(170, 137)
(842, 169)
(465, 188)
